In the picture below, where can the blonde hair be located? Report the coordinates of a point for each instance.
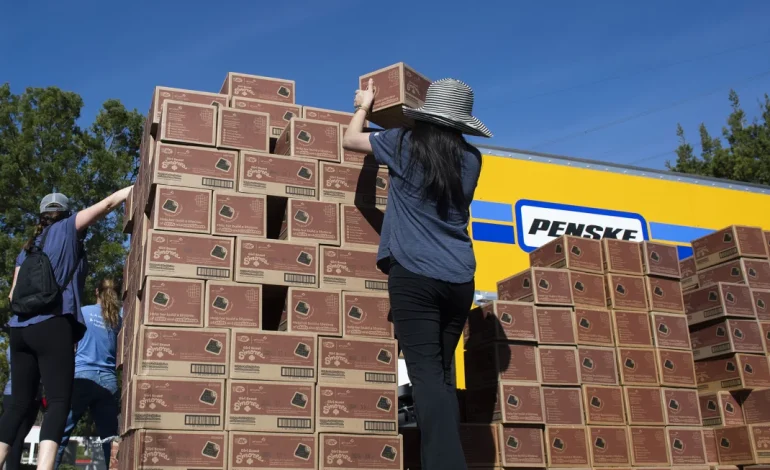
(108, 298)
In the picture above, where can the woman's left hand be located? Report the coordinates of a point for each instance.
(365, 98)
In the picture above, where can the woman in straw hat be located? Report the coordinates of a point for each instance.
(425, 248)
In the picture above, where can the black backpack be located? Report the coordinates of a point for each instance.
(37, 291)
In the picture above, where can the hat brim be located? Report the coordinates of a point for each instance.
(467, 124)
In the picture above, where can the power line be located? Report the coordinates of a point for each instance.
(652, 157)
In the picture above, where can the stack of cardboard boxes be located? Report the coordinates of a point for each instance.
(255, 329)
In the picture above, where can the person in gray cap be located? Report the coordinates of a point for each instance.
(42, 343)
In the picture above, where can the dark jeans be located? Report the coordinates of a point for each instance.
(428, 316)
(13, 461)
(43, 350)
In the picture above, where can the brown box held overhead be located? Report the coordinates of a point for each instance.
(498, 362)
(352, 270)
(232, 305)
(689, 273)
(361, 226)
(727, 337)
(273, 355)
(622, 257)
(722, 409)
(174, 450)
(567, 446)
(348, 452)
(176, 403)
(257, 87)
(507, 403)
(563, 406)
(664, 295)
(755, 406)
(735, 372)
(644, 406)
(327, 115)
(660, 259)
(753, 272)
(172, 302)
(670, 331)
(675, 368)
(730, 243)
(350, 157)
(239, 129)
(276, 262)
(277, 175)
(357, 409)
(626, 292)
(395, 86)
(555, 325)
(181, 210)
(594, 327)
(310, 138)
(574, 253)
(366, 314)
(312, 221)
(365, 186)
(521, 446)
(280, 113)
(719, 301)
(735, 445)
(682, 407)
(268, 451)
(649, 446)
(188, 123)
(598, 366)
(270, 406)
(162, 94)
(183, 352)
(609, 446)
(761, 300)
(360, 361)
(588, 290)
(194, 167)
(314, 311)
(238, 214)
(637, 366)
(500, 321)
(189, 256)
(604, 405)
(686, 446)
(559, 365)
(632, 329)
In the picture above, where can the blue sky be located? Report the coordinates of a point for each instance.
(543, 72)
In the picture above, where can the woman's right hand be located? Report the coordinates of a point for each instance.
(365, 98)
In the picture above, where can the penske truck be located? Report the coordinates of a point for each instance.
(525, 199)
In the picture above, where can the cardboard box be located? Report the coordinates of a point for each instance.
(267, 451)
(263, 173)
(312, 221)
(310, 138)
(357, 409)
(500, 321)
(181, 210)
(574, 253)
(664, 295)
(480, 444)
(276, 262)
(273, 355)
(754, 407)
(188, 123)
(718, 301)
(598, 366)
(626, 292)
(622, 257)
(497, 362)
(257, 87)
(761, 300)
(364, 186)
(670, 331)
(507, 403)
(551, 287)
(682, 407)
(183, 352)
(733, 242)
(721, 409)
(194, 167)
(174, 450)
(632, 329)
(637, 366)
(232, 305)
(675, 368)
(191, 256)
(760, 437)
(314, 311)
(239, 129)
(162, 94)
(754, 272)
(727, 337)
(556, 325)
(735, 445)
(172, 302)
(349, 157)
(594, 327)
(361, 226)
(176, 403)
(270, 406)
(327, 115)
(366, 314)
(644, 406)
(649, 446)
(238, 214)
(556, 365)
(710, 446)
(735, 372)
(686, 446)
(357, 361)
(352, 270)
(764, 328)
(609, 446)
(521, 446)
(604, 405)
(588, 290)
(563, 406)
(689, 275)
(659, 259)
(128, 212)
(395, 86)
(567, 446)
(348, 452)
(280, 113)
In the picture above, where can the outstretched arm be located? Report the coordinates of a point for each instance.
(355, 139)
(93, 214)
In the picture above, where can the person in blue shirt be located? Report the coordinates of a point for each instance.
(425, 248)
(17, 449)
(96, 379)
(43, 345)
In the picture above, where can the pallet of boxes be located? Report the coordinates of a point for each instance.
(256, 332)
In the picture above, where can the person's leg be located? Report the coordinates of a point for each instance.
(17, 449)
(105, 409)
(414, 303)
(82, 396)
(454, 313)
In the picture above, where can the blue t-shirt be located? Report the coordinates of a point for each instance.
(62, 246)
(412, 230)
(98, 348)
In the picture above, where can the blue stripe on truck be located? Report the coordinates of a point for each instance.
(496, 233)
(492, 211)
(676, 233)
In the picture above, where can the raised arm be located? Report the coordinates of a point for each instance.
(93, 214)
(355, 139)
(13, 285)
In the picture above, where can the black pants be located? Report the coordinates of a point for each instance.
(13, 461)
(428, 316)
(43, 350)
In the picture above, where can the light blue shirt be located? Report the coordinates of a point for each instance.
(97, 350)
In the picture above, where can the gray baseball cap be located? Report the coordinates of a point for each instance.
(55, 202)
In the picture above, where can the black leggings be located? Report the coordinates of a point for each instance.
(428, 316)
(44, 350)
(13, 461)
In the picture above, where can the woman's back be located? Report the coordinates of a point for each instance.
(98, 348)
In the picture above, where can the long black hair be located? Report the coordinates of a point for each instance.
(46, 219)
(439, 151)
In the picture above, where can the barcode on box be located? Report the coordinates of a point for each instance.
(297, 372)
(380, 426)
(207, 369)
(712, 312)
(299, 278)
(376, 285)
(197, 420)
(730, 383)
(214, 273)
(294, 423)
(380, 378)
(217, 183)
(295, 191)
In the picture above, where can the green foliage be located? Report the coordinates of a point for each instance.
(742, 154)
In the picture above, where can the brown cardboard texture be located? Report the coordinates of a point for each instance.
(682, 407)
(609, 446)
(664, 295)
(644, 406)
(735, 445)
(563, 406)
(626, 292)
(176, 450)
(632, 329)
(559, 365)
(660, 259)
(670, 331)
(755, 407)
(480, 444)
(364, 186)
(189, 256)
(232, 305)
(727, 337)
(267, 451)
(238, 214)
(649, 446)
(347, 452)
(183, 352)
(162, 94)
(352, 270)
(721, 409)
(506, 402)
(761, 300)
(556, 325)
(594, 327)
(172, 302)
(280, 113)
(313, 221)
(365, 314)
(194, 167)
(188, 123)
(351, 157)
(710, 446)
(675, 368)
(764, 328)
(176, 403)
(719, 301)
(588, 290)
(310, 138)
(755, 273)
(604, 405)
(270, 406)
(689, 276)
(498, 362)
(733, 242)
(274, 175)
(598, 366)
(500, 321)
(357, 361)
(239, 129)
(395, 86)
(567, 446)
(686, 446)
(257, 87)
(273, 355)
(574, 253)
(735, 372)
(181, 210)
(622, 257)
(327, 115)
(760, 437)
(276, 262)
(361, 226)
(521, 446)
(358, 409)
(314, 311)
(637, 366)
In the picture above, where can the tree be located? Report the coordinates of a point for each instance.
(742, 154)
